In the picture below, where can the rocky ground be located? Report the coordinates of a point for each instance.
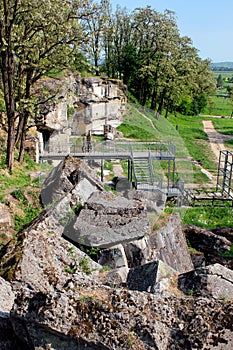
(62, 289)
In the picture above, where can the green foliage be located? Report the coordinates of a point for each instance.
(196, 140)
(37, 38)
(228, 254)
(106, 268)
(124, 165)
(92, 252)
(76, 209)
(84, 266)
(86, 299)
(70, 112)
(218, 105)
(21, 186)
(3, 162)
(71, 269)
(191, 250)
(134, 132)
(18, 194)
(137, 127)
(17, 180)
(109, 189)
(192, 106)
(108, 165)
(2, 103)
(206, 217)
(70, 250)
(224, 125)
(129, 63)
(30, 213)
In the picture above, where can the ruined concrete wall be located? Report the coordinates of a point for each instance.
(80, 106)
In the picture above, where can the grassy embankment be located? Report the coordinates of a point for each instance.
(20, 191)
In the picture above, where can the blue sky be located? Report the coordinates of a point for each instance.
(209, 23)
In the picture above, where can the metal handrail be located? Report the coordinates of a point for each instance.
(152, 176)
(133, 167)
(113, 147)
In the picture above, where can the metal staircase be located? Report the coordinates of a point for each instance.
(142, 172)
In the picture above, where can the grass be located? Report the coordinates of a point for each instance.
(224, 125)
(206, 217)
(135, 127)
(229, 254)
(219, 105)
(195, 140)
(21, 191)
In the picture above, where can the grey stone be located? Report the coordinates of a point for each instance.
(213, 280)
(70, 176)
(207, 241)
(45, 261)
(113, 257)
(146, 277)
(212, 243)
(169, 245)
(7, 298)
(6, 218)
(122, 184)
(56, 218)
(154, 202)
(108, 220)
(117, 277)
(138, 252)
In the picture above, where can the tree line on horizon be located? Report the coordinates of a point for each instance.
(144, 48)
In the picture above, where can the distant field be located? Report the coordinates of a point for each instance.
(224, 74)
(219, 106)
(223, 125)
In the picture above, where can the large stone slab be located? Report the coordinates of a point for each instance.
(107, 220)
(169, 245)
(70, 176)
(154, 202)
(213, 280)
(138, 252)
(147, 277)
(45, 262)
(213, 243)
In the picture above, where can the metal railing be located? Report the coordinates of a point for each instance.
(116, 147)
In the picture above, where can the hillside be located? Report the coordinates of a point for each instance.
(222, 65)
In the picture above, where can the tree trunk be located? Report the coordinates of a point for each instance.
(23, 138)
(19, 131)
(153, 99)
(10, 144)
(25, 116)
(7, 68)
(161, 103)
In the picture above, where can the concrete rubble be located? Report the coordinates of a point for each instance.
(93, 272)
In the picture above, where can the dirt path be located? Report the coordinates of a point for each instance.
(149, 120)
(117, 169)
(215, 138)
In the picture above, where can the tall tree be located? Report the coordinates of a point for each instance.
(94, 26)
(35, 37)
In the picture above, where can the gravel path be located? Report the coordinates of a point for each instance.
(215, 138)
